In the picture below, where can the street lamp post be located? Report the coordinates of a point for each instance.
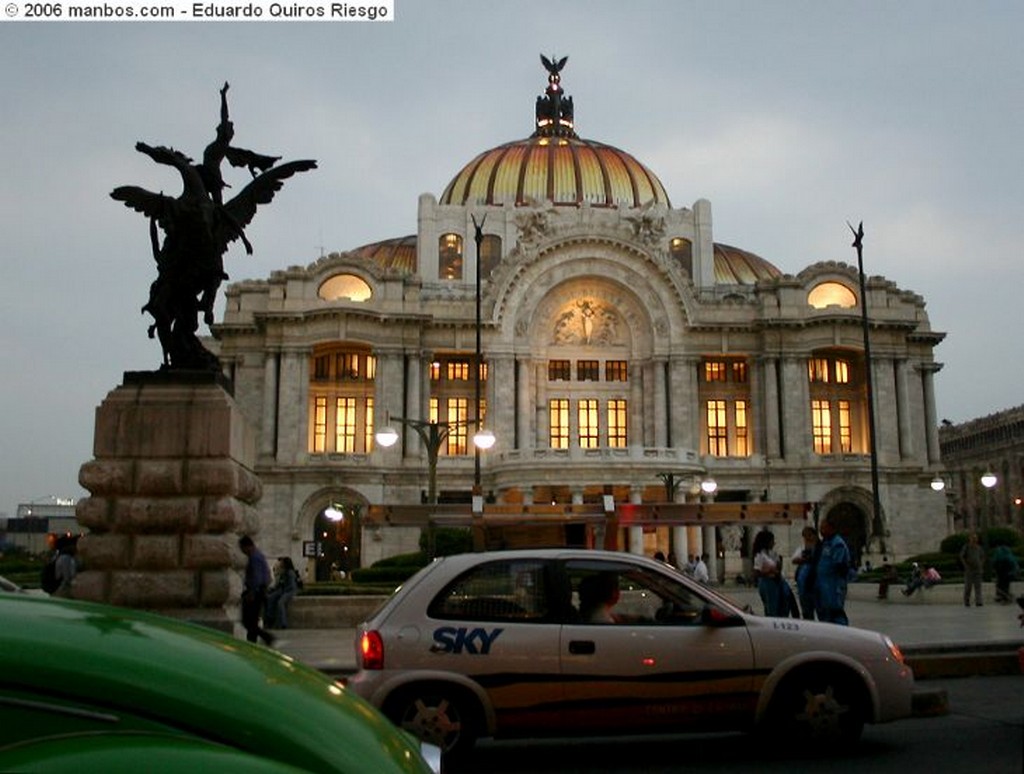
(988, 480)
(876, 516)
(479, 239)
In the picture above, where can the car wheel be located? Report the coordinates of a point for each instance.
(438, 714)
(822, 707)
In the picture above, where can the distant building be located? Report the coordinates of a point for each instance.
(992, 444)
(34, 521)
(621, 344)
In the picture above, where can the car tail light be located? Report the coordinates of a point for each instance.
(371, 648)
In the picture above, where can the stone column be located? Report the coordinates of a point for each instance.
(524, 437)
(906, 436)
(931, 424)
(660, 404)
(268, 436)
(171, 489)
(770, 408)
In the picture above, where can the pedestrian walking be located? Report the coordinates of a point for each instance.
(254, 593)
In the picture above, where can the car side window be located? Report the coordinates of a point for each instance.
(510, 590)
(613, 593)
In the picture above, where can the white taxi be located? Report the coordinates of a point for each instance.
(571, 642)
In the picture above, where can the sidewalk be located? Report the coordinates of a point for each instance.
(940, 636)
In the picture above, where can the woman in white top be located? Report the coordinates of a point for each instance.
(768, 572)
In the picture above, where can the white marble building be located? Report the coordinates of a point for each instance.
(619, 342)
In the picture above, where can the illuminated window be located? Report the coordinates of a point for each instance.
(682, 250)
(559, 371)
(458, 370)
(587, 414)
(717, 429)
(817, 369)
(345, 425)
(341, 401)
(838, 403)
(450, 257)
(714, 370)
(347, 365)
(435, 371)
(725, 396)
(617, 423)
(821, 423)
(742, 438)
(320, 424)
(490, 254)
(845, 431)
(368, 429)
(458, 413)
(831, 294)
(588, 371)
(347, 287)
(616, 371)
(558, 423)
(842, 371)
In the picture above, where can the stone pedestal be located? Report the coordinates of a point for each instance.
(172, 487)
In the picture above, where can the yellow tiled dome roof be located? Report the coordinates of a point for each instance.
(560, 170)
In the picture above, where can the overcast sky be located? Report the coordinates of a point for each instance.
(790, 117)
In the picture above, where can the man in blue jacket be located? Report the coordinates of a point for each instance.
(831, 573)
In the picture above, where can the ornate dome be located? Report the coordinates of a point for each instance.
(560, 170)
(555, 165)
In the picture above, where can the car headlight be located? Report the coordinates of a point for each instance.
(894, 649)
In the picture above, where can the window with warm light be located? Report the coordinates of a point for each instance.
(588, 371)
(682, 251)
(831, 294)
(616, 371)
(450, 257)
(341, 401)
(559, 371)
(589, 426)
(617, 435)
(725, 397)
(838, 391)
(558, 423)
(345, 287)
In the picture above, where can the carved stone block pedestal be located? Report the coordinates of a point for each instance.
(171, 488)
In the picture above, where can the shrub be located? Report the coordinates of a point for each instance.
(448, 541)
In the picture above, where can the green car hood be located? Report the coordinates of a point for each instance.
(189, 680)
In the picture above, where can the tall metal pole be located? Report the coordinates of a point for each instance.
(876, 517)
(479, 238)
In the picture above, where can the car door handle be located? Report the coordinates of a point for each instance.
(582, 647)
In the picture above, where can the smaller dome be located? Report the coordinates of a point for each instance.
(393, 254)
(734, 266)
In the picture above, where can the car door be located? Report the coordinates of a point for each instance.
(650, 656)
(499, 623)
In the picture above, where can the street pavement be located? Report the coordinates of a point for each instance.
(934, 623)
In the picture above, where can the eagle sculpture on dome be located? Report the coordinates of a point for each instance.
(197, 228)
(554, 65)
(554, 110)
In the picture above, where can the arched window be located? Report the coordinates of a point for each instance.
(345, 286)
(449, 248)
(831, 294)
(682, 250)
